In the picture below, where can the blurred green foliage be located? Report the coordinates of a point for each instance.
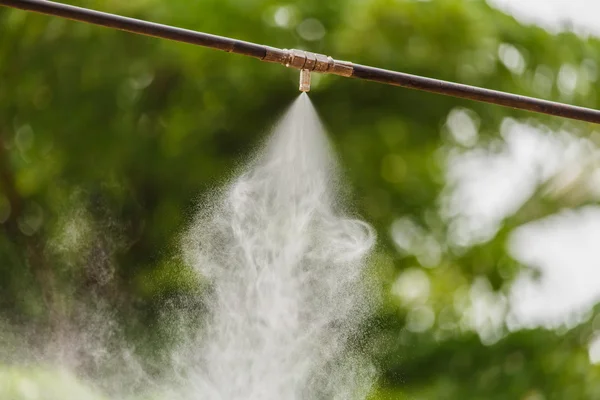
(108, 139)
(42, 383)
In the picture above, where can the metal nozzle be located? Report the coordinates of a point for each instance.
(304, 80)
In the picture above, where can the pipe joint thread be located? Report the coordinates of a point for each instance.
(306, 60)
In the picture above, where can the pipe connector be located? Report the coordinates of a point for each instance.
(305, 60)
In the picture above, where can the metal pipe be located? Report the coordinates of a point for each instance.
(307, 61)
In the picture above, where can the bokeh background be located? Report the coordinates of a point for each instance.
(487, 217)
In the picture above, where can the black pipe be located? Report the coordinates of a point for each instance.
(306, 60)
(139, 26)
(475, 93)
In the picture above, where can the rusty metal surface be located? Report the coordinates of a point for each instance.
(275, 55)
(342, 68)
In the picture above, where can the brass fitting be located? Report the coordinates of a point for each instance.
(305, 60)
(304, 80)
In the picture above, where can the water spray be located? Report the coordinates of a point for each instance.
(307, 62)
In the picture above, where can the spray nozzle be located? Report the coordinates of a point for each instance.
(304, 80)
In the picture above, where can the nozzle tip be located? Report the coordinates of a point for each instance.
(304, 80)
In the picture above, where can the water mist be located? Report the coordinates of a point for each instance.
(285, 262)
(286, 267)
